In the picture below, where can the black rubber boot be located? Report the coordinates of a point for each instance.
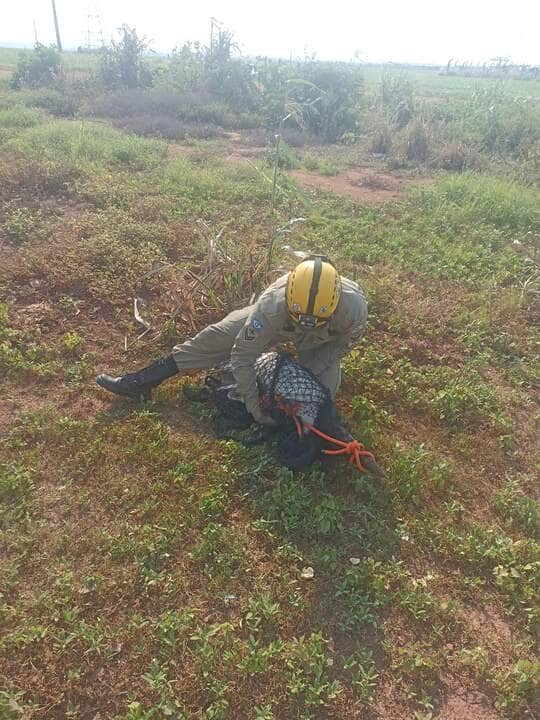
(138, 385)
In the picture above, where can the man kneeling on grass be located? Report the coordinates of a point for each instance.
(321, 313)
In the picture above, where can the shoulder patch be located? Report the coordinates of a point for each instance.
(251, 330)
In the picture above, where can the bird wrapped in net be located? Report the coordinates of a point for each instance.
(307, 424)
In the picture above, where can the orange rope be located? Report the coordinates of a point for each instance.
(355, 449)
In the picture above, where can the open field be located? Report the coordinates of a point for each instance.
(430, 81)
(149, 571)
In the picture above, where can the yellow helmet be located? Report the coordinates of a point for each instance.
(313, 291)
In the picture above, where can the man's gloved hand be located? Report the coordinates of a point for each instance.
(261, 417)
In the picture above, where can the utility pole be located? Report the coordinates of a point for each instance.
(35, 33)
(57, 29)
(212, 21)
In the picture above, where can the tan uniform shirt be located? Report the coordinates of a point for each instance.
(320, 349)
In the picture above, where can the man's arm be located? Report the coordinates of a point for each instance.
(334, 350)
(254, 338)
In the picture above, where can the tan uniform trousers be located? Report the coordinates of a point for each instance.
(213, 346)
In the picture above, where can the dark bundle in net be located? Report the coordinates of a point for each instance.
(301, 406)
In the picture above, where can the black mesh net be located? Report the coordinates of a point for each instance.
(285, 389)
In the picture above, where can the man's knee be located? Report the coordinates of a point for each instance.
(212, 345)
(331, 378)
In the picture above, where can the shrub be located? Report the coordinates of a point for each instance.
(168, 127)
(287, 158)
(453, 156)
(323, 98)
(397, 97)
(39, 68)
(62, 103)
(121, 64)
(417, 142)
(329, 94)
(381, 141)
(185, 69)
(317, 164)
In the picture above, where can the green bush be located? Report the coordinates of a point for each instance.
(121, 64)
(329, 95)
(186, 68)
(39, 68)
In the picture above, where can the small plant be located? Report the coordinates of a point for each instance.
(258, 657)
(417, 668)
(288, 503)
(305, 660)
(263, 712)
(261, 613)
(157, 677)
(518, 510)
(136, 712)
(363, 594)
(407, 472)
(16, 490)
(517, 686)
(73, 343)
(477, 659)
(328, 516)
(172, 625)
(13, 706)
(363, 675)
(220, 550)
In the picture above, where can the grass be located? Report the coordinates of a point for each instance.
(149, 570)
(88, 145)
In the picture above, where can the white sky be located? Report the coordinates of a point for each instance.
(423, 31)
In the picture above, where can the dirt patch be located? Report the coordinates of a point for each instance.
(487, 624)
(363, 184)
(468, 705)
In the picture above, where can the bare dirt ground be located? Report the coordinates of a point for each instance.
(369, 182)
(364, 183)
